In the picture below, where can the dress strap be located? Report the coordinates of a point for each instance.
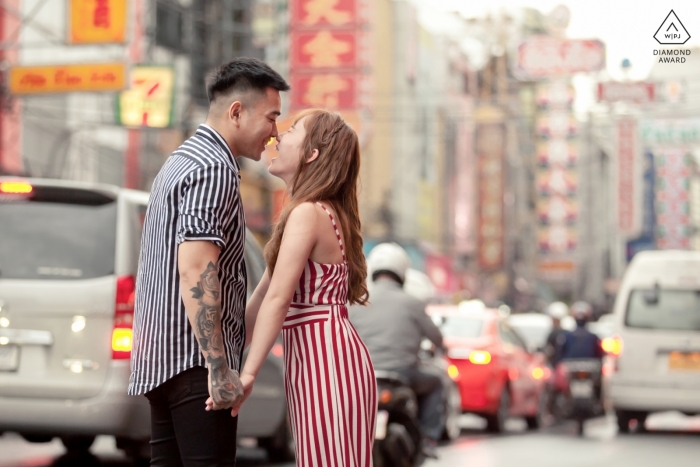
(335, 227)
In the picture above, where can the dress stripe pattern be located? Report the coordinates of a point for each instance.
(329, 380)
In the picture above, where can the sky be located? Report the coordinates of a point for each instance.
(626, 26)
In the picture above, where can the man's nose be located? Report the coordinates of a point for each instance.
(274, 134)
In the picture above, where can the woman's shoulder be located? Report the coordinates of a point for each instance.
(305, 212)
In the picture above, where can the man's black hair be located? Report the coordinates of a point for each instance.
(241, 75)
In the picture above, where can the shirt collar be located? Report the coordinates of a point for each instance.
(206, 130)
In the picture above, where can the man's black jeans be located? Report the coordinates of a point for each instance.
(183, 433)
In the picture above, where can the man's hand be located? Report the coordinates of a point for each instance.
(225, 388)
(246, 382)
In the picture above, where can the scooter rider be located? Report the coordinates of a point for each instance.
(392, 327)
(581, 343)
(555, 341)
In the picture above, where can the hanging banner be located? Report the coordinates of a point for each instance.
(490, 141)
(97, 21)
(672, 199)
(67, 78)
(149, 99)
(628, 175)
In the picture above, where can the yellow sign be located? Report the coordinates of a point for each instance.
(97, 21)
(149, 100)
(67, 78)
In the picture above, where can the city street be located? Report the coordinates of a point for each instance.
(672, 440)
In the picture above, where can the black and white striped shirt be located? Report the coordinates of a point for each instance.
(195, 196)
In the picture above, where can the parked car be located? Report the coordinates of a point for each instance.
(68, 258)
(657, 325)
(497, 375)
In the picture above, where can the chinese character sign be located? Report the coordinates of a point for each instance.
(97, 21)
(490, 235)
(325, 65)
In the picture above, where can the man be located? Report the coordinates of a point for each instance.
(392, 327)
(555, 341)
(189, 327)
(581, 343)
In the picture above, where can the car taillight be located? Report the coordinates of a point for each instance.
(15, 187)
(479, 357)
(122, 334)
(453, 372)
(612, 345)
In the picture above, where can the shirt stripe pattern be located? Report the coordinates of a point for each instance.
(329, 380)
(194, 197)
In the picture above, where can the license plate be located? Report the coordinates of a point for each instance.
(382, 420)
(684, 361)
(581, 389)
(9, 357)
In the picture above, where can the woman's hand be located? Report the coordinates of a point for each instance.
(247, 381)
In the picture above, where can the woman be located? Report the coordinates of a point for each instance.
(311, 276)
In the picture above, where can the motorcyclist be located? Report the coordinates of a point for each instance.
(392, 327)
(555, 341)
(581, 343)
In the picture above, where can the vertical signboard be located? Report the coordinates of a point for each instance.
(556, 180)
(490, 146)
(672, 198)
(327, 53)
(628, 186)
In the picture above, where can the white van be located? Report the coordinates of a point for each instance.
(68, 258)
(657, 321)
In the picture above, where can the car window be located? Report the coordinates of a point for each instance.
(461, 326)
(668, 310)
(57, 240)
(534, 336)
(510, 336)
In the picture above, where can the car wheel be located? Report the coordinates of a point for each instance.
(537, 420)
(77, 443)
(453, 409)
(623, 420)
(496, 423)
(280, 447)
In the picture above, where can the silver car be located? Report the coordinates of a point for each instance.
(68, 258)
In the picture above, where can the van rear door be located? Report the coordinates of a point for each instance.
(57, 291)
(661, 337)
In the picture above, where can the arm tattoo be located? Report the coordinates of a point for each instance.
(225, 385)
(208, 294)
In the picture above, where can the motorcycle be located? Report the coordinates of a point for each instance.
(579, 391)
(397, 436)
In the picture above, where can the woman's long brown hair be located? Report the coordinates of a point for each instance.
(331, 178)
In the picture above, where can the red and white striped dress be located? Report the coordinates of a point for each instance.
(329, 379)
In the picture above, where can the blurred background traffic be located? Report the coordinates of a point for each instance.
(521, 152)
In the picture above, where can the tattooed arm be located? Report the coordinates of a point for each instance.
(201, 293)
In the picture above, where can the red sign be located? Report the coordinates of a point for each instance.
(324, 49)
(544, 56)
(490, 234)
(323, 13)
(327, 90)
(626, 175)
(639, 92)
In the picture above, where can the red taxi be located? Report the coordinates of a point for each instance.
(497, 376)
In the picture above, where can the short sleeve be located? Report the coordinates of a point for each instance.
(209, 196)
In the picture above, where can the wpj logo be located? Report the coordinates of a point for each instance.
(672, 31)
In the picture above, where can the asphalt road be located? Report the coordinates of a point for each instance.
(671, 440)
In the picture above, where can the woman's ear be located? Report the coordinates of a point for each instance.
(313, 157)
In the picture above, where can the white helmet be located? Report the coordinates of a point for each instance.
(388, 257)
(557, 310)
